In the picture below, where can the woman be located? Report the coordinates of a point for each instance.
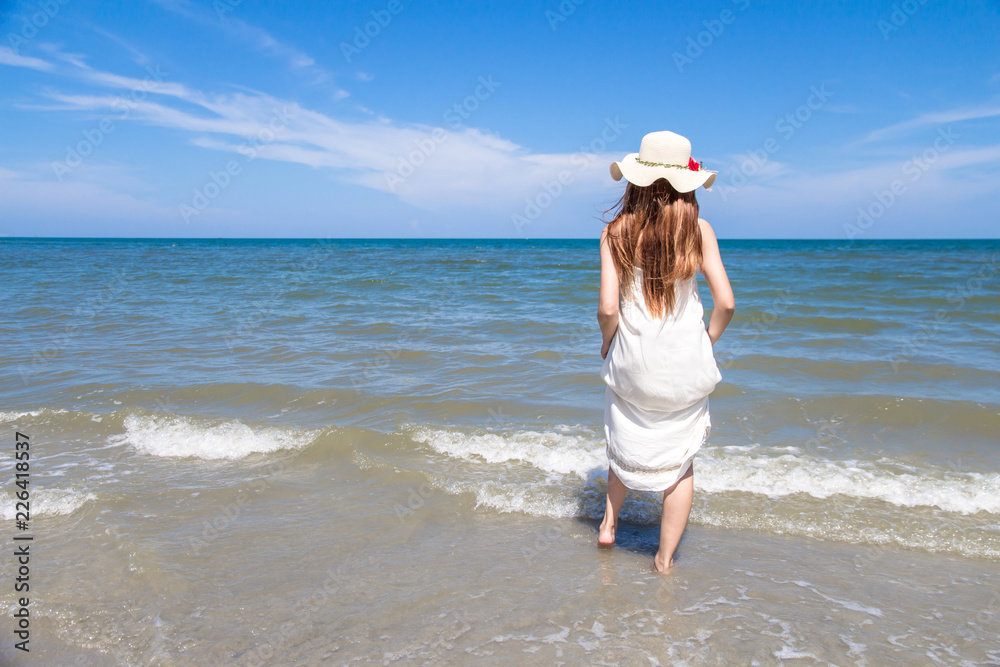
(658, 359)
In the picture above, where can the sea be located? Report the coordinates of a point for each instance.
(353, 451)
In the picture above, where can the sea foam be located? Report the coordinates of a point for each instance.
(721, 470)
(48, 502)
(12, 416)
(177, 436)
(775, 476)
(547, 451)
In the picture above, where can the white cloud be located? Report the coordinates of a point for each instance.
(446, 168)
(83, 202)
(8, 57)
(110, 197)
(137, 56)
(442, 168)
(935, 118)
(825, 204)
(436, 168)
(222, 18)
(75, 59)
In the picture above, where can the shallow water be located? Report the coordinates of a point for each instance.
(263, 452)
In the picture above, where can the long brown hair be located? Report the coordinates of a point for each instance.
(670, 245)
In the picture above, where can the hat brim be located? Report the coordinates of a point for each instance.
(683, 180)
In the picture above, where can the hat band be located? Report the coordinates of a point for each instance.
(660, 164)
(664, 164)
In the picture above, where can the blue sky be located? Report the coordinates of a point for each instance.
(235, 118)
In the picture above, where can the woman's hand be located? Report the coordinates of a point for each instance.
(605, 347)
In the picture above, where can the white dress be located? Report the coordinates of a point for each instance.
(659, 373)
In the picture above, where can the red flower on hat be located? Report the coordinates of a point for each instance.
(693, 166)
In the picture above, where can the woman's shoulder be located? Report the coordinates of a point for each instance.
(707, 233)
(616, 224)
(613, 227)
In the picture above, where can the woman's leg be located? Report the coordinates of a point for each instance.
(676, 509)
(616, 497)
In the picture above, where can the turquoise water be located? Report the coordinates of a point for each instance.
(859, 410)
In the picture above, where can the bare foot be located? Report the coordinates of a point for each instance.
(661, 564)
(606, 538)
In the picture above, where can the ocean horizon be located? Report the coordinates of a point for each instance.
(860, 241)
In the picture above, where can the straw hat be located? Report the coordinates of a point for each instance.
(663, 155)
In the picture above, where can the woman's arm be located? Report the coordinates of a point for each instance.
(724, 304)
(607, 306)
